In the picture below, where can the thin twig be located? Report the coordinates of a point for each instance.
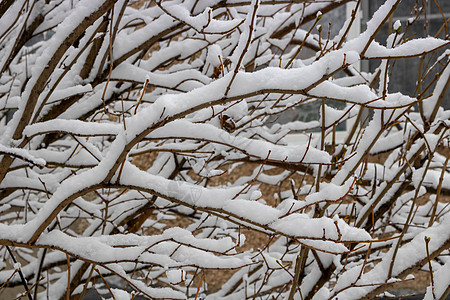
(19, 270)
(199, 285)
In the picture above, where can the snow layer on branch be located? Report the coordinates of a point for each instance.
(297, 125)
(23, 154)
(388, 142)
(358, 43)
(297, 225)
(333, 115)
(109, 249)
(83, 157)
(252, 210)
(267, 79)
(330, 192)
(361, 94)
(13, 12)
(18, 182)
(432, 179)
(74, 127)
(61, 94)
(71, 187)
(408, 255)
(302, 225)
(430, 103)
(120, 294)
(295, 79)
(83, 9)
(255, 148)
(413, 47)
(122, 46)
(248, 29)
(176, 234)
(127, 71)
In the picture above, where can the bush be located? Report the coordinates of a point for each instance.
(191, 91)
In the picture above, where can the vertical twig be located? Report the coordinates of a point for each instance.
(427, 241)
(68, 277)
(110, 58)
(142, 95)
(38, 274)
(299, 267)
(322, 145)
(199, 286)
(87, 282)
(19, 270)
(247, 44)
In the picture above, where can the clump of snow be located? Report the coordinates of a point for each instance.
(176, 276)
(397, 25)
